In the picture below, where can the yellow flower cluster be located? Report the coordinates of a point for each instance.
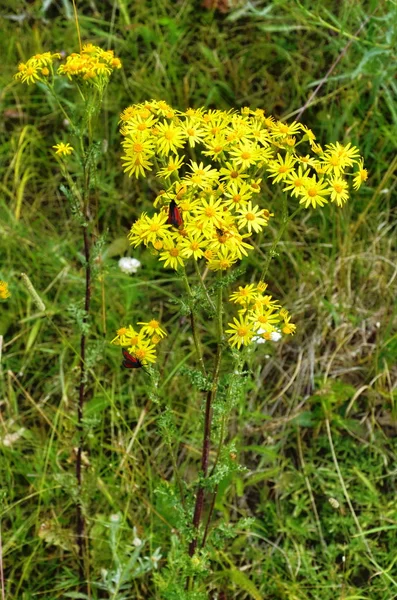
(37, 68)
(4, 291)
(260, 317)
(93, 64)
(141, 344)
(207, 207)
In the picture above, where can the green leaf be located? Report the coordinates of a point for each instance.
(243, 583)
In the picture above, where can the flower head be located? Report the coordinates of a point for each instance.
(4, 291)
(63, 149)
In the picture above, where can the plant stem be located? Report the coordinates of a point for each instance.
(198, 509)
(285, 220)
(80, 520)
(193, 325)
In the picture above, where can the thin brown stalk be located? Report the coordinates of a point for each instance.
(332, 67)
(205, 453)
(80, 524)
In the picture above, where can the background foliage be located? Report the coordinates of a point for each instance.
(315, 424)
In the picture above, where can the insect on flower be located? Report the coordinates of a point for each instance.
(174, 215)
(131, 362)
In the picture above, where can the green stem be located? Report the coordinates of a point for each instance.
(284, 223)
(201, 280)
(193, 325)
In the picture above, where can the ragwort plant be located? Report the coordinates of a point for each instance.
(88, 71)
(210, 165)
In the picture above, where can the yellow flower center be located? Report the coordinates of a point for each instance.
(255, 186)
(209, 211)
(282, 169)
(234, 174)
(194, 246)
(153, 324)
(174, 252)
(224, 264)
(154, 227)
(246, 155)
(312, 192)
(262, 319)
(142, 127)
(364, 175)
(298, 183)
(283, 128)
(334, 160)
(30, 71)
(158, 244)
(338, 188)
(218, 149)
(137, 147)
(236, 198)
(190, 132)
(169, 135)
(140, 353)
(122, 331)
(242, 331)
(250, 217)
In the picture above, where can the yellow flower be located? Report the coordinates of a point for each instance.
(265, 320)
(281, 129)
(149, 229)
(223, 260)
(138, 145)
(169, 137)
(360, 176)
(232, 173)
(145, 352)
(30, 74)
(63, 149)
(242, 330)
(252, 217)
(246, 155)
(281, 168)
(338, 157)
(201, 176)
(238, 195)
(338, 189)
(152, 327)
(289, 328)
(136, 165)
(192, 246)
(210, 212)
(4, 291)
(244, 295)
(173, 165)
(313, 192)
(193, 131)
(172, 256)
(124, 336)
(295, 181)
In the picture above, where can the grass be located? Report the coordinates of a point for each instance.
(314, 425)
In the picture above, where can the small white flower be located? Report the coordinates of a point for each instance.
(137, 542)
(129, 265)
(275, 336)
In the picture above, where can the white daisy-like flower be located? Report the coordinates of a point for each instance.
(275, 336)
(129, 265)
